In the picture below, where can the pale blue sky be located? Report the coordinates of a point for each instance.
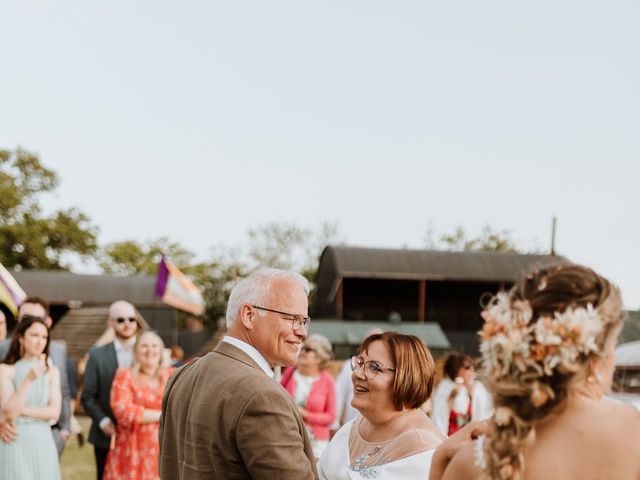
(200, 119)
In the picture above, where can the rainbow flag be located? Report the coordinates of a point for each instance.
(11, 295)
(175, 289)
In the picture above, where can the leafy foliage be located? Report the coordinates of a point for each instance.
(28, 238)
(129, 257)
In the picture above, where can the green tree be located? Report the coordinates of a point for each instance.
(289, 246)
(28, 237)
(129, 257)
(459, 240)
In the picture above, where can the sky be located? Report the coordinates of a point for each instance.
(198, 120)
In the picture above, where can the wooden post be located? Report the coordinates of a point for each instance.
(339, 305)
(422, 300)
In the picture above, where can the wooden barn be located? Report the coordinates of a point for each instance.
(409, 287)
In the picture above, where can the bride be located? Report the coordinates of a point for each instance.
(391, 438)
(548, 352)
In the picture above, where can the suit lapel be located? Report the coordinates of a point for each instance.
(112, 358)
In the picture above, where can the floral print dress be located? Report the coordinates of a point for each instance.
(134, 454)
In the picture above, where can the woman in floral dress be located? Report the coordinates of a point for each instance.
(136, 400)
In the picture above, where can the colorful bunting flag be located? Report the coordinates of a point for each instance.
(175, 289)
(10, 292)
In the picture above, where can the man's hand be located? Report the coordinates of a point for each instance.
(7, 431)
(108, 429)
(65, 435)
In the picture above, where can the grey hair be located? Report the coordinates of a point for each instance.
(322, 347)
(254, 289)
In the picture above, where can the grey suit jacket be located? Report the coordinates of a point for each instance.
(58, 355)
(224, 418)
(96, 390)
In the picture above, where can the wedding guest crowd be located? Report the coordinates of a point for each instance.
(313, 390)
(535, 410)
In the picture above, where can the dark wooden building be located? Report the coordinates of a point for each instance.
(417, 286)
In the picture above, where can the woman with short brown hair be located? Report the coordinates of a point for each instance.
(392, 438)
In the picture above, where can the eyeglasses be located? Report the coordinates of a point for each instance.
(35, 318)
(122, 320)
(371, 367)
(298, 322)
(467, 366)
(307, 349)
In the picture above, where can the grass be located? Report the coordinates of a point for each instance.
(77, 462)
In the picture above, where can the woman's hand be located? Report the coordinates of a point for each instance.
(303, 413)
(453, 445)
(38, 369)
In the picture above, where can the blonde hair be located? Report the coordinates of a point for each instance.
(135, 366)
(527, 390)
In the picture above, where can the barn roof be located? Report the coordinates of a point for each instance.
(360, 262)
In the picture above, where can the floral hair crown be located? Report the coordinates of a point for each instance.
(509, 337)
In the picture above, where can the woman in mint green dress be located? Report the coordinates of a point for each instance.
(29, 400)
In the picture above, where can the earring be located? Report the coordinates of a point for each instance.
(592, 380)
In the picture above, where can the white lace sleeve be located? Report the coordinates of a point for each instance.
(480, 460)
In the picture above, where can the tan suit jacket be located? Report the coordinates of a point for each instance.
(224, 418)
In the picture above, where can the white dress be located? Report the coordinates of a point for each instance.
(336, 462)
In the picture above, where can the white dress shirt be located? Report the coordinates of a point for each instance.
(124, 352)
(255, 355)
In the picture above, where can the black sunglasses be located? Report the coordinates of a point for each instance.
(122, 320)
(35, 318)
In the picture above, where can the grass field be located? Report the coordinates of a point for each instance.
(77, 462)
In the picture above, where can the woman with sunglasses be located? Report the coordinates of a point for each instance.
(313, 390)
(459, 397)
(392, 438)
(30, 399)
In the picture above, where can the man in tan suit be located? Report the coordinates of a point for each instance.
(223, 415)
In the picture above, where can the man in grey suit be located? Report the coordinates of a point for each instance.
(98, 377)
(37, 307)
(223, 415)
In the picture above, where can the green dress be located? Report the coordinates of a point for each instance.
(33, 455)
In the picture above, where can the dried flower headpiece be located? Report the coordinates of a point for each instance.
(509, 337)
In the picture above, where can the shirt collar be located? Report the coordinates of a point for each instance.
(255, 355)
(123, 346)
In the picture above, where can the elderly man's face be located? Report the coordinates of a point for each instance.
(273, 335)
(123, 321)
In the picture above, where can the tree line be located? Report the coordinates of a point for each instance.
(30, 238)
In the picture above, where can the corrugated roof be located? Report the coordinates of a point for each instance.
(359, 262)
(61, 287)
